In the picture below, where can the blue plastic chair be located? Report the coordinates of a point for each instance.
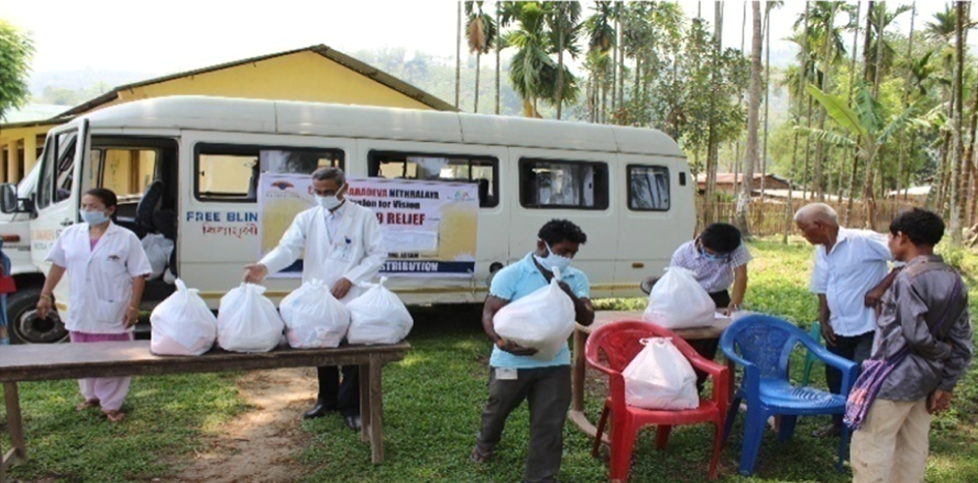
(762, 345)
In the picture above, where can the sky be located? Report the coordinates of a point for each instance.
(160, 38)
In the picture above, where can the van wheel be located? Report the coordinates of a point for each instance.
(25, 327)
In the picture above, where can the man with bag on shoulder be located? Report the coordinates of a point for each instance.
(514, 374)
(849, 277)
(923, 348)
(344, 247)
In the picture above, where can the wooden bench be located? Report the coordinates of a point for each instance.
(579, 364)
(114, 359)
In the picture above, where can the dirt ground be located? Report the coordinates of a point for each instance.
(260, 444)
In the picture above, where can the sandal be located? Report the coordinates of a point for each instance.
(479, 456)
(88, 403)
(114, 415)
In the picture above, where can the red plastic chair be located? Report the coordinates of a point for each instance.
(619, 343)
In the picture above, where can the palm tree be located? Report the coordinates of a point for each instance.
(769, 6)
(498, 45)
(713, 136)
(957, 186)
(458, 54)
(480, 33)
(563, 19)
(864, 124)
(601, 39)
(942, 29)
(788, 207)
(531, 60)
(753, 108)
(906, 97)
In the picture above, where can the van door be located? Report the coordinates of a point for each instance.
(58, 193)
(572, 185)
(654, 194)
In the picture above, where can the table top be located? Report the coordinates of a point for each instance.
(104, 359)
(602, 317)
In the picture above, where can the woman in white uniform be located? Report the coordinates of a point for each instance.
(107, 271)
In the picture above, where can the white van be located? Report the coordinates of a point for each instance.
(183, 166)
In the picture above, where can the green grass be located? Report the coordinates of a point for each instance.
(433, 399)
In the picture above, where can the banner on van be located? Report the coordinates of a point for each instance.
(430, 227)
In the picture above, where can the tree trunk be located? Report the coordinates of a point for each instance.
(458, 55)
(753, 108)
(614, 65)
(878, 63)
(847, 151)
(767, 93)
(820, 151)
(499, 33)
(869, 201)
(957, 165)
(478, 57)
(560, 58)
(712, 142)
(621, 59)
(808, 151)
(906, 99)
(789, 204)
(972, 158)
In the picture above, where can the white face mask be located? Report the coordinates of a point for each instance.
(328, 202)
(553, 260)
(94, 217)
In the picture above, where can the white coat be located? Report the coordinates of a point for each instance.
(357, 253)
(100, 279)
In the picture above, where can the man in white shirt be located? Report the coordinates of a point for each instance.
(849, 277)
(343, 246)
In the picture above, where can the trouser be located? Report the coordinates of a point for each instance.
(856, 348)
(109, 391)
(891, 445)
(547, 390)
(344, 396)
(708, 347)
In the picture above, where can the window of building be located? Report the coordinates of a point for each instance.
(483, 170)
(552, 184)
(231, 172)
(648, 188)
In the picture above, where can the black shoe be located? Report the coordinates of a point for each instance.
(318, 411)
(353, 422)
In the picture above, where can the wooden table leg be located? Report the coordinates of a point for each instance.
(364, 402)
(577, 372)
(376, 410)
(18, 452)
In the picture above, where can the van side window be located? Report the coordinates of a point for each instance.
(552, 184)
(127, 171)
(483, 170)
(230, 172)
(648, 188)
(57, 173)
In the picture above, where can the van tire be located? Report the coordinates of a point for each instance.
(23, 327)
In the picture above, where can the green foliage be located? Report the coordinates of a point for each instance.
(16, 51)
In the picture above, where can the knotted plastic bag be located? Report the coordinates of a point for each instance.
(313, 317)
(378, 317)
(678, 301)
(660, 377)
(182, 324)
(542, 320)
(247, 321)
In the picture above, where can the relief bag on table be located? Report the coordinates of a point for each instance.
(378, 317)
(247, 321)
(542, 320)
(678, 301)
(182, 324)
(660, 377)
(314, 319)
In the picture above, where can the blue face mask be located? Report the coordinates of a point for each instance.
(94, 217)
(713, 257)
(553, 260)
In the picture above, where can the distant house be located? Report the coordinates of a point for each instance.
(725, 182)
(917, 194)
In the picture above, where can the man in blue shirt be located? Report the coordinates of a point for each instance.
(514, 374)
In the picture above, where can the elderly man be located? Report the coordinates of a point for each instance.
(850, 277)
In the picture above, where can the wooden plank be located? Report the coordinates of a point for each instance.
(15, 425)
(133, 358)
(577, 373)
(578, 418)
(364, 402)
(376, 411)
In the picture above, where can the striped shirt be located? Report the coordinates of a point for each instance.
(713, 275)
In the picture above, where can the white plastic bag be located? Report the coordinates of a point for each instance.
(247, 321)
(378, 317)
(660, 377)
(158, 250)
(542, 320)
(182, 324)
(678, 301)
(313, 317)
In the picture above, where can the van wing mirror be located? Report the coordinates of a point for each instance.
(9, 203)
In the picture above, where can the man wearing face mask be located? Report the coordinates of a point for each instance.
(514, 375)
(344, 247)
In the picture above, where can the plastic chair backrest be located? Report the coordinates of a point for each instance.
(620, 342)
(764, 341)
